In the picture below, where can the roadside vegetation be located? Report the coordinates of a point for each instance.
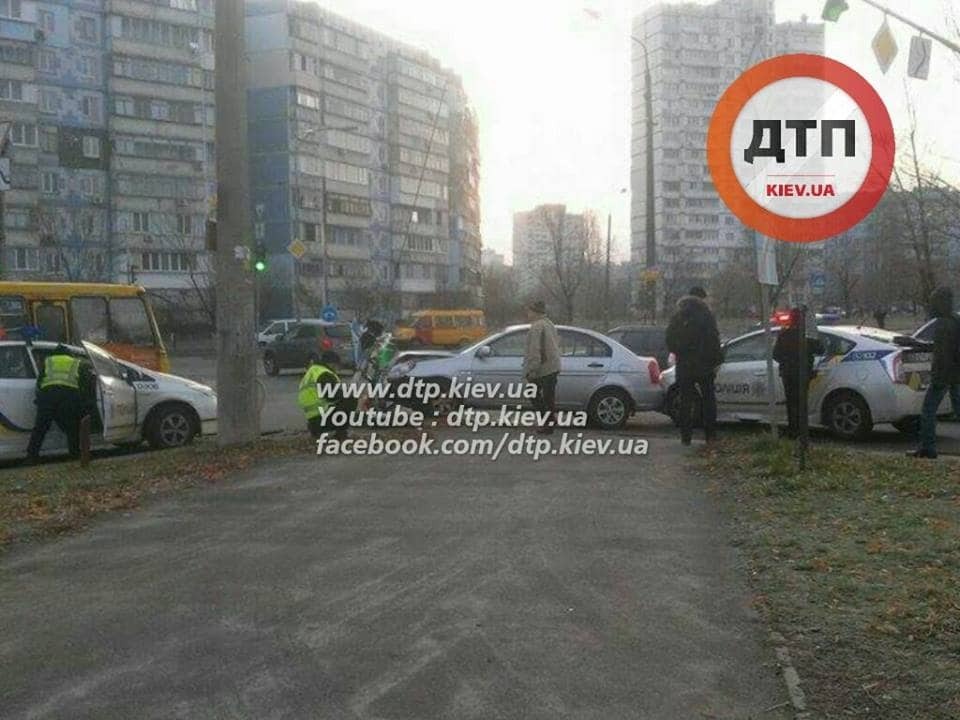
(857, 563)
(58, 497)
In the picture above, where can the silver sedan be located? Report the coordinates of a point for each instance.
(597, 374)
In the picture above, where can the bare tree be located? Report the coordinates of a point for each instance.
(573, 246)
(73, 234)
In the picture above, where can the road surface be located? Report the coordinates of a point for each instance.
(392, 588)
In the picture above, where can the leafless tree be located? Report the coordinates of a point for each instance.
(573, 246)
(72, 232)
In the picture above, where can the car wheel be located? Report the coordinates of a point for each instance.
(270, 365)
(609, 409)
(672, 407)
(171, 426)
(848, 417)
(908, 426)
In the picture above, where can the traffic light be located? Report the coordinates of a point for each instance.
(260, 258)
(834, 9)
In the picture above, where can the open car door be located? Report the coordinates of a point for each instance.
(116, 397)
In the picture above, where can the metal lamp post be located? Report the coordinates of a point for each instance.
(323, 208)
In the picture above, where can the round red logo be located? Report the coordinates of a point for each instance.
(800, 148)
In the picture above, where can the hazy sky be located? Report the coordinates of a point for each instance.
(551, 87)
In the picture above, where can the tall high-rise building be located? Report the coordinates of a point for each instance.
(694, 52)
(111, 106)
(543, 238)
(365, 150)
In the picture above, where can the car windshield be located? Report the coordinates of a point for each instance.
(339, 331)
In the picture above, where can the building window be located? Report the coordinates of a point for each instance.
(11, 90)
(90, 107)
(23, 134)
(91, 147)
(49, 182)
(165, 262)
(46, 20)
(24, 258)
(48, 61)
(48, 139)
(307, 99)
(184, 225)
(87, 29)
(310, 233)
(87, 66)
(141, 222)
(10, 9)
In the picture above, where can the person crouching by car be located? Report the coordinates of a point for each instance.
(321, 376)
(541, 363)
(944, 373)
(693, 338)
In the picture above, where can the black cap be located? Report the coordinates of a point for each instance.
(698, 291)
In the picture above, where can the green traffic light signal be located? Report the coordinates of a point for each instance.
(834, 9)
(260, 265)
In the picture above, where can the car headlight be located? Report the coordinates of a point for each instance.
(400, 370)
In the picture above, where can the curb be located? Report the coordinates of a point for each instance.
(791, 677)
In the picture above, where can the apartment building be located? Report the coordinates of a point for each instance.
(365, 150)
(694, 52)
(111, 105)
(542, 237)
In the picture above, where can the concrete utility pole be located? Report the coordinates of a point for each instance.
(237, 412)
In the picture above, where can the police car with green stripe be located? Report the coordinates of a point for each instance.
(864, 378)
(131, 403)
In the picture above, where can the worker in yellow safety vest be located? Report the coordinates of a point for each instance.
(312, 402)
(59, 399)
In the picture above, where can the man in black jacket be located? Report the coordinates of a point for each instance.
(945, 373)
(693, 338)
(786, 351)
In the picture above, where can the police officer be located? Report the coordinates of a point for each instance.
(60, 399)
(786, 351)
(321, 374)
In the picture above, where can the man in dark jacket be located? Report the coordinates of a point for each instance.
(786, 351)
(945, 373)
(693, 338)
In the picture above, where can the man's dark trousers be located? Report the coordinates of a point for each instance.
(546, 399)
(60, 405)
(688, 391)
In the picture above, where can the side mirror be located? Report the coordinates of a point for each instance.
(483, 352)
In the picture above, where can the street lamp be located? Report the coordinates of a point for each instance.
(323, 208)
(651, 225)
(606, 271)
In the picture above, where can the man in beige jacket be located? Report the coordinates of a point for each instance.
(541, 364)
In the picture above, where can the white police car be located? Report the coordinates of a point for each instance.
(863, 378)
(133, 403)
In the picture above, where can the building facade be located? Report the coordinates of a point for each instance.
(365, 150)
(543, 238)
(694, 53)
(111, 105)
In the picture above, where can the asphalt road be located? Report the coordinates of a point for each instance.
(396, 589)
(280, 413)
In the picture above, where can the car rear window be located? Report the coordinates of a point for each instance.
(338, 331)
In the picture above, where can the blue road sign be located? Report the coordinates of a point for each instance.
(329, 313)
(818, 281)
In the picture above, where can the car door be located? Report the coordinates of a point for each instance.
(742, 380)
(584, 362)
(504, 364)
(18, 388)
(116, 397)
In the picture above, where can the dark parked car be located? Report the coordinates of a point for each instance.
(305, 342)
(645, 340)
